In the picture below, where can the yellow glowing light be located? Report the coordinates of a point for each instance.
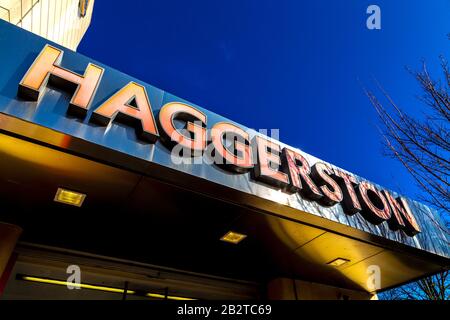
(156, 295)
(76, 285)
(338, 262)
(161, 296)
(69, 197)
(233, 237)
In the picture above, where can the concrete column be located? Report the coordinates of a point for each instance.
(9, 234)
(292, 289)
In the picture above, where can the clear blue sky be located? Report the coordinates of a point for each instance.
(293, 65)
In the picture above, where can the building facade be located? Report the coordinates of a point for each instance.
(62, 21)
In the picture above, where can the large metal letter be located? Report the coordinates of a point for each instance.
(46, 70)
(129, 104)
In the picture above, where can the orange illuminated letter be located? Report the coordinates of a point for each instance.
(298, 170)
(375, 208)
(45, 69)
(231, 147)
(402, 217)
(346, 181)
(129, 104)
(322, 174)
(195, 127)
(267, 168)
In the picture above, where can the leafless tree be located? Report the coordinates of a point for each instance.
(435, 287)
(422, 145)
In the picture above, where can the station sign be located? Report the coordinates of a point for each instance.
(187, 132)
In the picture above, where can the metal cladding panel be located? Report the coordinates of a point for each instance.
(18, 51)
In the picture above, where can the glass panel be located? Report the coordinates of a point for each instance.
(4, 14)
(36, 18)
(15, 12)
(44, 17)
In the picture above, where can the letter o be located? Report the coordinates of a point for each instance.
(375, 206)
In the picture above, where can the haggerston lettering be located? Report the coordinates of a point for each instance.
(233, 148)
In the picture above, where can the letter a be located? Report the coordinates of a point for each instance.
(129, 104)
(374, 20)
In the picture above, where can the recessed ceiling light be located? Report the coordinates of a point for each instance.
(70, 197)
(233, 237)
(338, 262)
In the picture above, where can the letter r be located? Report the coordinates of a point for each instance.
(45, 69)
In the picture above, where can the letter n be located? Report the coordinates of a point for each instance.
(46, 70)
(130, 105)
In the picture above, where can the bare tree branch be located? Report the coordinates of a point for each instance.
(422, 146)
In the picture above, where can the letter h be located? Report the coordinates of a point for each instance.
(46, 70)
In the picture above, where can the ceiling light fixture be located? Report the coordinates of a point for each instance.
(69, 197)
(233, 237)
(338, 262)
